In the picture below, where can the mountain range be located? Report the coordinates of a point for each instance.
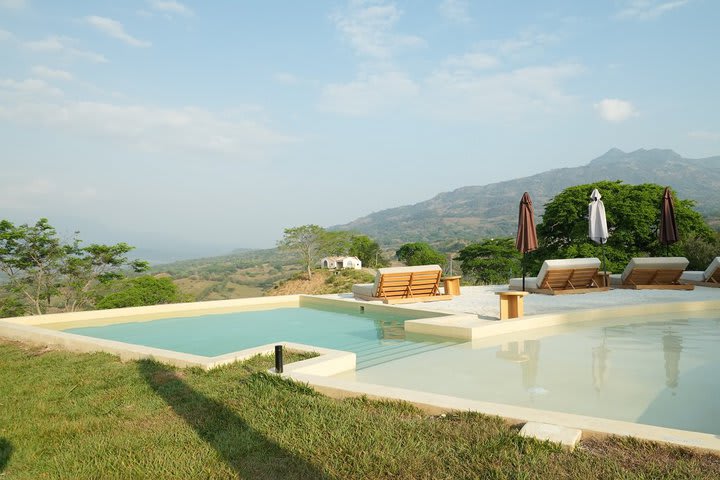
(486, 211)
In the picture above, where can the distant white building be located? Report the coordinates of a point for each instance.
(333, 263)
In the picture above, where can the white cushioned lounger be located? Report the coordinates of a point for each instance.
(652, 273)
(418, 283)
(709, 278)
(572, 275)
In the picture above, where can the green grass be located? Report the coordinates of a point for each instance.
(65, 415)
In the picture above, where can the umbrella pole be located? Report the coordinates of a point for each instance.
(523, 270)
(602, 248)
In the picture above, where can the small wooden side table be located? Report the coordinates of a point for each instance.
(452, 285)
(511, 304)
(602, 279)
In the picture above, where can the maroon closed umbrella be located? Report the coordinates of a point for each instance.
(526, 240)
(668, 232)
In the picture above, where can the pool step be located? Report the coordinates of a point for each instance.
(385, 354)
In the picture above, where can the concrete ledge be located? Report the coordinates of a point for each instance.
(470, 327)
(435, 403)
(329, 361)
(566, 437)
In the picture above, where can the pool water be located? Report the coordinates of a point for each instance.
(375, 337)
(663, 370)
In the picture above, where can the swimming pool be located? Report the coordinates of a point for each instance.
(661, 370)
(375, 336)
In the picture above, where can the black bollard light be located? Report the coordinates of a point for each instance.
(278, 359)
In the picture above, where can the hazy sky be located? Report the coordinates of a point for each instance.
(221, 123)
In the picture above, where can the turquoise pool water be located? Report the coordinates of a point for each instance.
(375, 337)
(659, 370)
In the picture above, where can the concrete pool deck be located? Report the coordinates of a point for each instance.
(471, 316)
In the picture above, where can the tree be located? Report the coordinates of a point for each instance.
(420, 253)
(84, 267)
(45, 273)
(633, 213)
(368, 251)
(490, 262)
(144, 290)
(309, 242)
(30, 256)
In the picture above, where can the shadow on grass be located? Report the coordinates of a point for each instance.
(245, 450)
(5, 452)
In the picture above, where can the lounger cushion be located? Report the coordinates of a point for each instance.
(363, 289)
(565, 264)
(516, 283)
(555, 264)
(654, 263)
(714, 265)
(693, 276)
(616, 279)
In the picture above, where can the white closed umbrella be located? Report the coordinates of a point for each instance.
(598, 231)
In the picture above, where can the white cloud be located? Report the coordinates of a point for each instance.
(285, 78)
(525, 41)
(43, 71)
(169, 6)
(615, 110)
(12, 4)
(368, 95)
(705, 135)
(473, 61)
(456, 10)
(5, 35)
(114, 29)
(63, 46)
(368, 26)
(649, 9)
(27, 193)
(154, 129)
(450, 94)
(30, 87)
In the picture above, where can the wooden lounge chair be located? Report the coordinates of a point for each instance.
(709, 278)
(403, 285)
(661, 273)
(573, 275)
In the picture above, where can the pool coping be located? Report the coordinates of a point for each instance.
(39, 329)
(479, 330)
(318, 371)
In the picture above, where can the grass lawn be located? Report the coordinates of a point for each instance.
(66, 415)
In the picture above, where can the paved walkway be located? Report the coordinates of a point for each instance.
(483, 302)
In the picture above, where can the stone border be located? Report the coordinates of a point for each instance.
(466, 328)
(46, 330)
(317, 371)
(435, 404)
(484, 331)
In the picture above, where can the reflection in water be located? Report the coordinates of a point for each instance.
(390, 329)
(526, 353)
(600, 364)
(672, 347)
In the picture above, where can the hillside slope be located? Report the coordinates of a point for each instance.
(491, 210)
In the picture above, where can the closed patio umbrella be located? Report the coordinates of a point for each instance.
(597, 223)
(526, 240)
(668, 232)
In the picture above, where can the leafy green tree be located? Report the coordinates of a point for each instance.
(336, 243)
(43, 272)
(310, 243)
(84, 267)
(633, 213)
(491, 262)
(420, 253)
(368, 251)
(139, 291)
(30, 257)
